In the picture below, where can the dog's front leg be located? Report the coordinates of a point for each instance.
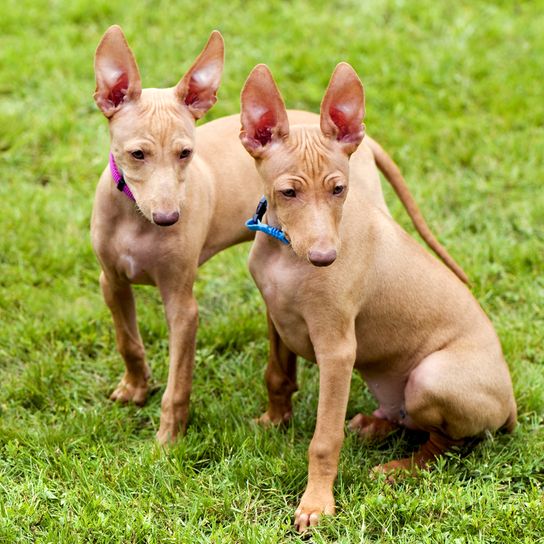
(182, 315)
(281, 379)
(118, 295)
(335, 367)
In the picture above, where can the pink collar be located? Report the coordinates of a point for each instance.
(119, 179)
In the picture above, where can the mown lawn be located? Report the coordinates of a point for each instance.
(454, 91)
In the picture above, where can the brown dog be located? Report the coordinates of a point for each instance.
(354, 290)
(187, 207)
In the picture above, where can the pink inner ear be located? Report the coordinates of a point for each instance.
(119, 90)
(339, 119)
(192, 98)
(195, 92)
(200, 92)
(345, 130)
(263, 128)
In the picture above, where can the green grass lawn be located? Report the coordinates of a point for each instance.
(454, 92)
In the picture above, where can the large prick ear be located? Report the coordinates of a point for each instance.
(117, 76)
(263, 117)
(198, 87)
(343, 108)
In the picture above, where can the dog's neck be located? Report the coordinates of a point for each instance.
(118, 178)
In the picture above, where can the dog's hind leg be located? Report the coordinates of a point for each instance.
(133, 387)
(281, 380)
(455, 395)
(434, 447)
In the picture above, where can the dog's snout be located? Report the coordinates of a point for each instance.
(322, 258)
(165, 219)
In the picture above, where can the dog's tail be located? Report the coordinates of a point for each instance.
(391, 171)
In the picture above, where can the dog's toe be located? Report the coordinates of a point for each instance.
(357, 423)
(126, 392)
(311, 508)
(267, 420)
(305, 520)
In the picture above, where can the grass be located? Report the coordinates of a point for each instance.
(454, 91)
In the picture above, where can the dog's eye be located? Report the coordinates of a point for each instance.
(138, 155)
(338, 190)
(289, 193)
(185, 153)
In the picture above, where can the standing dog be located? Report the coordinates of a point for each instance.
(179, 205)
(354, 290)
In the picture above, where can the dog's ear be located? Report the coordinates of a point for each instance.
(343, 108)
(117, 76)
(198, 87)
(263, 117)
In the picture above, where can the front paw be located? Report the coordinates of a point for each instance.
(166, 435)
(131, 389)
(311, 507)
(168, 432)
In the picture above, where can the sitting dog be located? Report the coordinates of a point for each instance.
(345, 286)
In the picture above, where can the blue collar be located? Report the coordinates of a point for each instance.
(254, 223)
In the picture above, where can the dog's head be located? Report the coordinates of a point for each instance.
(153, 130)
(305, 168)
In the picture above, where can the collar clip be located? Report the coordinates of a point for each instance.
(254, 223)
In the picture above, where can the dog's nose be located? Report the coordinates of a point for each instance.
(165, 219)
(322, 258)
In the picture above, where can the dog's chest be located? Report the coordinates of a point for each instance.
(135, 257)
(281, 290)
(133, 268)
(133, 253)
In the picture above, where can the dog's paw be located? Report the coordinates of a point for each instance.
(167, 434)
(312, 506)
(394, 471)
(371, 427)
(273, 420)
(359, 423)
(130, 390)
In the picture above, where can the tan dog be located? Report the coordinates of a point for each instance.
(188, 207)
(354, 290)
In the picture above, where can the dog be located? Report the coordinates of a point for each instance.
(350, 289)
(183, 205)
